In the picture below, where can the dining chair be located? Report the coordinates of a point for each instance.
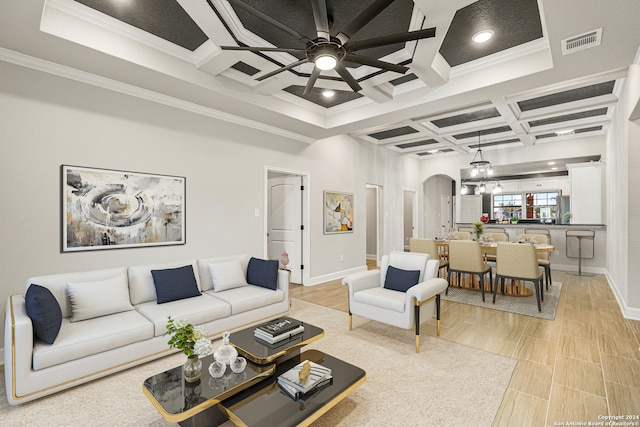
(519, 262)
(544, 258)
(429, 246)
(490, 254)
(544, 231)
(465, 257)
(466, 229)
(460, 235)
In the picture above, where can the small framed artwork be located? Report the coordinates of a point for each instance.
(111, 209)
(338, 212)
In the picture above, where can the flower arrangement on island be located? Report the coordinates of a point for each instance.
(190, 339)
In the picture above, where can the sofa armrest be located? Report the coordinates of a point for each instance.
(431, 270)
(362, 280)
(427, 289)
(18, 344)
(283, 281)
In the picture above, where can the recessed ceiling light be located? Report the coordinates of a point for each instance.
(432, 151)
(328, 93)
(555, 168)
(482, 36)
(565, 132)
(551, 163)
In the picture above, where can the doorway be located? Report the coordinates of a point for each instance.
(285, 217)
(409, 226)
(373, 222)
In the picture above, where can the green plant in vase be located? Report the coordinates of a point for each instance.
(478, 229)
(193, 342)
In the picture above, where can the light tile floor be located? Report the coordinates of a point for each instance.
(581, 366)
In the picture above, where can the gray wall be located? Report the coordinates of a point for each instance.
(48, 121)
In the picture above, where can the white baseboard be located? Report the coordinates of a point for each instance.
(333, 276)
(628, 312)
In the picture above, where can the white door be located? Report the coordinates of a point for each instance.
(285, 222)
(445, 215)
(409, 226)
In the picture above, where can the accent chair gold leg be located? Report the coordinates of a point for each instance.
(438, 327)
(350, 321)
(417, 343)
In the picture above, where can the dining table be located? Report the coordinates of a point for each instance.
(514, 288)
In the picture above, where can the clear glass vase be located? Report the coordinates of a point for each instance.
(226, 352)
(192, 369)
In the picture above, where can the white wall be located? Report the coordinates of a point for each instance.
(48, 121)
(623, 198)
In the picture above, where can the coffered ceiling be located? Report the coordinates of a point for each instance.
(552, 70)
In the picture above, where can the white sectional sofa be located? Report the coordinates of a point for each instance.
(111, 319)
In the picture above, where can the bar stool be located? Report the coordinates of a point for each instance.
(580, 235)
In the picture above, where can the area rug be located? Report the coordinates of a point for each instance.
(445, 384)
(520, 305)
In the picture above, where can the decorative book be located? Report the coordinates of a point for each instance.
(300, 396)
(279, 326)
(277, 338)
(304, 376)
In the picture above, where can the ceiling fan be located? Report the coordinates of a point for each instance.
(329, 52)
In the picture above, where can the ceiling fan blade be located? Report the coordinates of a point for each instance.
(255, 12)
(390, 39)
(363, 19)
(349, 57)
(312, 80)
(285, 68)
(347, 77)
(321, 19)
(263, 49)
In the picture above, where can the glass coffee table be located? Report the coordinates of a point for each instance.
(189, 403)
(252, 398)
(264, 405)
(261, 352)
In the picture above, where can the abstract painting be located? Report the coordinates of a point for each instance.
(110, 209)
(338, 212)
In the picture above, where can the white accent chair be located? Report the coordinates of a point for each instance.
(369, 298)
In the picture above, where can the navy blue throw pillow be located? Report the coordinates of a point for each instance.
(262, 272)
(44, 311)
(401, 280)
(175, 283)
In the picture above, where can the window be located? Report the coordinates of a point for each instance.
(507, 206)
(542, 205)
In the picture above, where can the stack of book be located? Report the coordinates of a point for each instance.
(299, 388)
(279, 329)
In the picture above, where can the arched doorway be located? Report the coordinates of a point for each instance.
(439, 205)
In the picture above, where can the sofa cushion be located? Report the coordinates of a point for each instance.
(44, 311)
(205, 275)
(197, 311)
(227, 275)
(383, 298)
(249, 297)
(401, 280)
(141, 285)
(57, 283)
(98, 298)
(175, 283)
(262, 272)
(81, 339)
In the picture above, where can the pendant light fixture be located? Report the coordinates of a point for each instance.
(479, 164)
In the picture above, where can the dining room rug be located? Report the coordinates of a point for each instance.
(520, 305)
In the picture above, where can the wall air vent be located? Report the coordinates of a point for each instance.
(582, 41)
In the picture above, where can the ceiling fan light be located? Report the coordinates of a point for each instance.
(326, 62)
(482, 36)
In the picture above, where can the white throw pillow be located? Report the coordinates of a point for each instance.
(227, 275)
(98, 298)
